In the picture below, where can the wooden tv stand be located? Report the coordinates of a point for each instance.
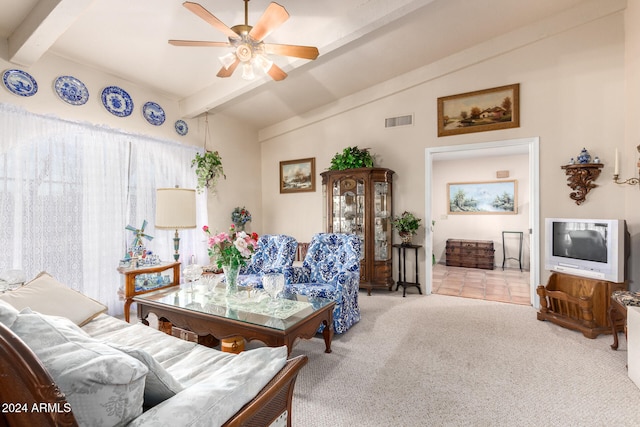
(577, 303)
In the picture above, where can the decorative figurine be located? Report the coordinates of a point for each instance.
(584, 156)
(572, 161)
(596, 159)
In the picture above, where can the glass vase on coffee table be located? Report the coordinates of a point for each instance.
(231, 277)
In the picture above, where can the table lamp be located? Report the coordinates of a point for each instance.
(175, 209)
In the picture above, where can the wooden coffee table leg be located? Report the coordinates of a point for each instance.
(327, 333)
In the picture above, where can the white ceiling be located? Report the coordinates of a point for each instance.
(361, 43)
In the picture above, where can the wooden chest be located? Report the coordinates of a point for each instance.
(470, 253)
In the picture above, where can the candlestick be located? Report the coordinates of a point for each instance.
(616, 167)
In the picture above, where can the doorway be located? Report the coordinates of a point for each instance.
(528, 146)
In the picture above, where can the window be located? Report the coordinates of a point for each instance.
(68, 190)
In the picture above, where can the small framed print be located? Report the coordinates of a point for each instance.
(298, 176)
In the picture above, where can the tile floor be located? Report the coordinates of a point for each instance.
(510, 285)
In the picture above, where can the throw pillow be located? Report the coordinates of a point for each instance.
(103, 385)
(8, 314)
(159, 385)
(46, 295)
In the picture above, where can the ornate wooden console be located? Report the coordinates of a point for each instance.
(577, 303)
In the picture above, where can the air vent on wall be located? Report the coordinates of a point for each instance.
(392, 122)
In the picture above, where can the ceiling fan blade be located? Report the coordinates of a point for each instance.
(212, 20)
(224, 72)
(271, 19)
(198, 43)
(277, 73)
(306, 52)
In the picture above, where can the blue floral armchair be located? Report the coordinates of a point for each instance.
(331, 269)
(275, 254)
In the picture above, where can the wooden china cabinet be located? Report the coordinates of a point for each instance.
(358, 201)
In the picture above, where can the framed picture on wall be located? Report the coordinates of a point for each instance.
(479, 111)
(298, 175)
(491, 197)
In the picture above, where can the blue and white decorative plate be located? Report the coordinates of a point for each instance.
(19, 83)
(153, 113)
(181, 127)
(71, 90)
(117, 101)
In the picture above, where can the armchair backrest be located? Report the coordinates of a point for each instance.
(274, 251)
(330, 254)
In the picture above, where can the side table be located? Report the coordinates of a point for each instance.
(130, 274)
(402, 269)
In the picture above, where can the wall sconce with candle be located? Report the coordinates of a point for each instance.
(616, 171)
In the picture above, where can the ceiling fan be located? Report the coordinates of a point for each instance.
(247, 42)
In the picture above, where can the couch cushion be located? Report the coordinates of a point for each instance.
(215, 397)
(104, 386)
(8, 314)
(46, 295)
(159, 384)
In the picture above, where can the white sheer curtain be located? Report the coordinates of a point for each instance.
(153, 165)
(68, 190)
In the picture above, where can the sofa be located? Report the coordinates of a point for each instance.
(64, 361)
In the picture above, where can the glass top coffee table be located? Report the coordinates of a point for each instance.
(208, 310)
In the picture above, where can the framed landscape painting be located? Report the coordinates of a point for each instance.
(298, 175)
(479, 111)
(492, 197)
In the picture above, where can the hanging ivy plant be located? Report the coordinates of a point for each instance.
(208, 170)
(351, 158)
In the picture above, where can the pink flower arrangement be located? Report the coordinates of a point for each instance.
(233, 248)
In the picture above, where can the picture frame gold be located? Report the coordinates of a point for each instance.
(487, 197)
(479, 111)
(298, 176)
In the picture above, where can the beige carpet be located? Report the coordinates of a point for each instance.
(449, 361)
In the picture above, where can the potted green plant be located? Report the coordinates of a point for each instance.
(208, 169)
(351, 158)
(407, 225)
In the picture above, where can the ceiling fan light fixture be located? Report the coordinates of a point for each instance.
(247, 71)
(227, 60)
(263, 63)
(244, 52)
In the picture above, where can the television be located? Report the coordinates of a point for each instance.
(595, 248)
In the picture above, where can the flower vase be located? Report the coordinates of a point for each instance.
(231, 277)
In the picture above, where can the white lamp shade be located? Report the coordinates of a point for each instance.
(175, 208)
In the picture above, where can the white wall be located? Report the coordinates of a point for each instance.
(480, 226)
(572, 95)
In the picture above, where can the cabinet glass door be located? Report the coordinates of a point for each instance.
(348, 207)
(382, 230)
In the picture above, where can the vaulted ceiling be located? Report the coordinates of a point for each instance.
(361, 43)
